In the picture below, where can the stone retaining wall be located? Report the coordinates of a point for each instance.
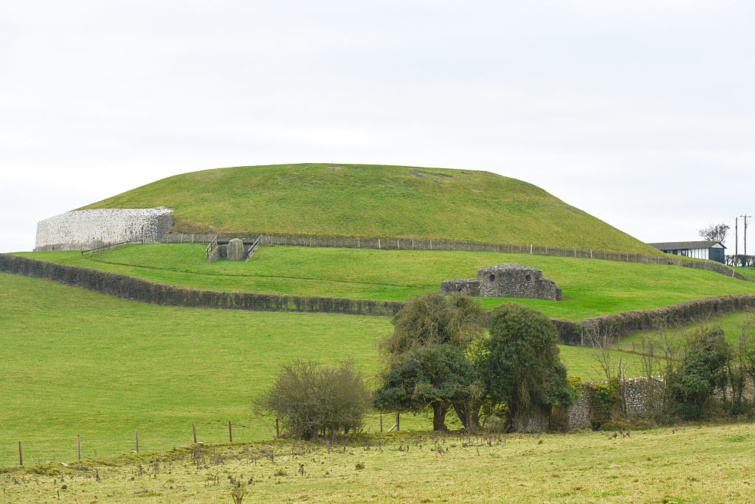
(81, 229)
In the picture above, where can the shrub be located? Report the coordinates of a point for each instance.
(316, 401)
(605, 402)
(434, 319)
(702, 370)
(575, 382)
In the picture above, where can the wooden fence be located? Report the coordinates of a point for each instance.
(460, 245)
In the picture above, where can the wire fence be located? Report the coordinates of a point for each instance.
(460, 246)
(77, 448)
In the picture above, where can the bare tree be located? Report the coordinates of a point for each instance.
(602, 346)
(660, 352)
(714, 232)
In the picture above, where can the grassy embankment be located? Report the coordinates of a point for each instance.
(375, 201)
(691, 463)
(590, 287)
(81, 363)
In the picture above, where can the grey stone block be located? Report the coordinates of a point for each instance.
(235, 250)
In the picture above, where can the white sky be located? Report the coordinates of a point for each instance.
(641, 113)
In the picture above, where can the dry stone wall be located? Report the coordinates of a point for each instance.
(79, 230)
(637, 395)
(137, 289)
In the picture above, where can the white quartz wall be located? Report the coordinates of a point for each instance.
(80, 229)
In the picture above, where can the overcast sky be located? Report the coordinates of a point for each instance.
(641, 113)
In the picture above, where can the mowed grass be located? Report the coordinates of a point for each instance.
(691, 463)
(374, 201)
(590, 287)
(81, 363)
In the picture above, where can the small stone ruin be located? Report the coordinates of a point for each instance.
(505, 280)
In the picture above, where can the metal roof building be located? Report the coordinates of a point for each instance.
(711, 250)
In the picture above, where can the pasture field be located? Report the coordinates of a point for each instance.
(590, 287)
(733, 324)
(688, 463)
(377, 201)
(81, 363)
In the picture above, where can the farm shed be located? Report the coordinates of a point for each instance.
(712, 250)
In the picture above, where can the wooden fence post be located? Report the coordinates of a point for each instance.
(20, 454)
(230, 431)
(398, 422)
(277, 429)
(137, 441)
(78, 442)
(194, 428)
(381, 423)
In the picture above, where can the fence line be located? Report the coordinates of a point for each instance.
(461, 246)
(26, 450)
(77, 442)
(446, 245)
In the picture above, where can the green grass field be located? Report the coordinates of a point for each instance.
(81, 363)
(590, 287)
(691, 463)
(733, 324)
(374, 201)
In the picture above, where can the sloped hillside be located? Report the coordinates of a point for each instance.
(374, 201)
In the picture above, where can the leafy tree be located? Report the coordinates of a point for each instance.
(702, 369)
(714, 232)
(426, 361)
(312, 400)
(434, 319)
(521, 367)
(430, 375)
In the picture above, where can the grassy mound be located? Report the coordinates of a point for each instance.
(374, 201)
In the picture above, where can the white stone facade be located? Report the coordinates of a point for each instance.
(79, 230)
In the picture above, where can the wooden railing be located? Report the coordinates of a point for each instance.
(211, 246)
(253, 248)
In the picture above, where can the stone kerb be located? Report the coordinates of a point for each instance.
(77, 230)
